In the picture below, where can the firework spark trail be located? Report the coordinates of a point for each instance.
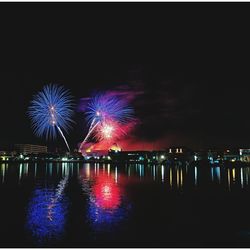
(51, 109)
(90, 132)
(54, 123)
(63, 137)
(92, 123)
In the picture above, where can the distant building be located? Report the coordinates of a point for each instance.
(159, 156)
(199, 155)
(214, 156)
(90, 150)
(30, 149)
(6, 155)
(130, 156)
(179, 154)
(139, 156)
(244, 155)
(231, 155)
(115, 148)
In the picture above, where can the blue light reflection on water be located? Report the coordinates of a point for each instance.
(105, 218)
(46, 213)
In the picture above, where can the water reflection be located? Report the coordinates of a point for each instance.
(106, 202)
(195, 176)
(3, 170)
(181, 177)
(109, 194)
(241, 178)
(233, 174)
(47, 209)
(174, 176)
(106, 193)
(23, 171)
(116, 175)
(170, 177)
(154, 171)
(162, 173)
(217, 174)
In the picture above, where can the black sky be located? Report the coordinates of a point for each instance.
(191, 61)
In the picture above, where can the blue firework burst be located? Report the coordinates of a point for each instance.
(105, 106)
(51, 111)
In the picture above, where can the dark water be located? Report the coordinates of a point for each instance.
(103, 205)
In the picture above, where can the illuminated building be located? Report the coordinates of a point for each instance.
(231, 155)
(179, 153)
(115, 148)
(199, 155)
(159, 156)
(30, 149)
(176, 150)
(92, 151)
(130, 156)
(244, 155)
(5, 156)
(214, 156)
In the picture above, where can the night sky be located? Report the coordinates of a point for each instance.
(188, 66)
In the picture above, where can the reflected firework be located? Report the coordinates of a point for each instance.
(107, 193)
(46, 213)
(107, 206)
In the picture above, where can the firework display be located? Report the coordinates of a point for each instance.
(109, 117)
(106, 106)
(51, 112)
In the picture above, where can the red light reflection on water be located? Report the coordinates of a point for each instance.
(107, 193)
